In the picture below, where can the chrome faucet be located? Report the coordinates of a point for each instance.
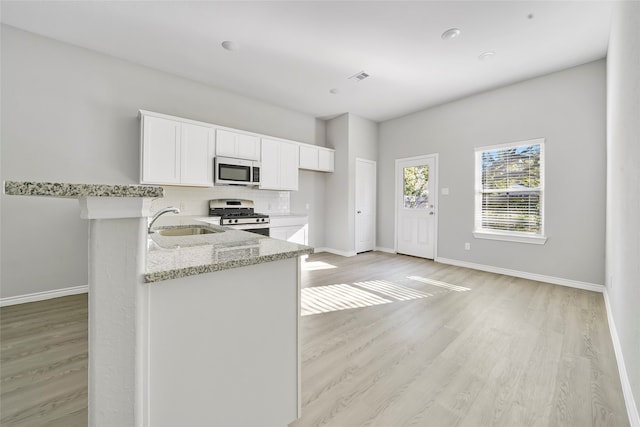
(159, 213)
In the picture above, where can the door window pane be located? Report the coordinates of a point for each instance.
(416, 192)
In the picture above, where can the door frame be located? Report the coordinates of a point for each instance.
(435, 157)
(375, 203)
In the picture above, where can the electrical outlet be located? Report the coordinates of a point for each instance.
(467, 246)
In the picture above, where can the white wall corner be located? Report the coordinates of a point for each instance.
(387, 250)
(627, 391)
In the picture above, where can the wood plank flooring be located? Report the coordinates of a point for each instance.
(43, 363)
(447, 346)
(481, 350)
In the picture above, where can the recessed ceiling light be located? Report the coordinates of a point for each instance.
(451, 33)
(530, 16)
(486, 55)
(230, 45)
(334, 91)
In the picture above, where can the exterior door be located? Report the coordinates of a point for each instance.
(416, 206)
(365, 219)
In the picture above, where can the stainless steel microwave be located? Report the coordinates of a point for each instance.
(232, 171)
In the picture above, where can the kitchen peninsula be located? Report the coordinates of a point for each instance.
(184, 330)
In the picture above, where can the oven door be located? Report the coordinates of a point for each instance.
(233, 171)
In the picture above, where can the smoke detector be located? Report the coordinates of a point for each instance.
(358, 77)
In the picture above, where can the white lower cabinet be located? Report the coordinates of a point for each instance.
(279, 165)
(293, 229)
(176, 153)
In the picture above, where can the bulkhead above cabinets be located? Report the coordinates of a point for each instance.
(179, 151)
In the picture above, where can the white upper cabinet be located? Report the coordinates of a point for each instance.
(238, 145)
(196, 155)
(175, 152)
(279, 165)
(316, 158)
(160, 151)
(326, 159)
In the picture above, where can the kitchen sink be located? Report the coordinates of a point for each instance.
(186, 231)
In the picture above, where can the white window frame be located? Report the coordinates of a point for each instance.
(509, 236)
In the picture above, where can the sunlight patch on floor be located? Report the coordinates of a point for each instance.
(439, 284)
(325, 299)
(316, 265)
(398, 292)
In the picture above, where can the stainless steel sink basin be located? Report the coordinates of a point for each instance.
(187, 231)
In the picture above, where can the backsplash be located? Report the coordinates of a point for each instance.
(195, 200)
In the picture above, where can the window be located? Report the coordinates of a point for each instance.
(510, 192)
(416, 187)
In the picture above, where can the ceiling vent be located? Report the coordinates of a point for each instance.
(358, 77)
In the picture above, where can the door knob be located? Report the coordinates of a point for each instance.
(430, 213)
(359, 212)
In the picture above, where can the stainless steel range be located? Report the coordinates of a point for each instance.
(239, 214)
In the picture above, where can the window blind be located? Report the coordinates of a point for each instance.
(510, 184)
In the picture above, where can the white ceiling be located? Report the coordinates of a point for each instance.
(293, 53)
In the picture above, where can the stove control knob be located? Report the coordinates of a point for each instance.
(236, 221)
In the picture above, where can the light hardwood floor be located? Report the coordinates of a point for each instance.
(43, 363)
(426, 345)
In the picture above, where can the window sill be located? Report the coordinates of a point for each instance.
(535, 240)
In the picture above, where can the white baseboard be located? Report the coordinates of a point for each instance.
(387, 250)
(335, 251)
(524, 275)
(627, 392)
(40, 296)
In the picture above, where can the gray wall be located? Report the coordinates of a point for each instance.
(352, 137)
(70, 114)
(337, 188)
(623, 185)
(568, 109)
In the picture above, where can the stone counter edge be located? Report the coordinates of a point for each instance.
(210, 268)
(78, 191)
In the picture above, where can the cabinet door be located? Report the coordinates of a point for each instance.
(293, 234)
(279, 233)
(248, 147)
(225, 143)
(308, 157)
(238, 145)
(326, 160)
(289, 160)
(196, 155)
(160, 151)
(270, 164)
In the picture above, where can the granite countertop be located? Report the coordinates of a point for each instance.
(78, 191)
(180, 256)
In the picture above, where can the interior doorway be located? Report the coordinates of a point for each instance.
(365, 205)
